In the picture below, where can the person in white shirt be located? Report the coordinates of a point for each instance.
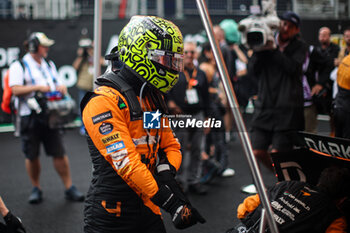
(37, 75)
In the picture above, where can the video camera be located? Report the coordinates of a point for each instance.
(259, 28)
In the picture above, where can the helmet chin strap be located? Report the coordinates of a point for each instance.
(141, 91)
(149, 137)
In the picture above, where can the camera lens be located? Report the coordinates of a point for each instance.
(255, 39)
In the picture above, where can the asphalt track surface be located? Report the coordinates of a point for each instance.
(56, 215)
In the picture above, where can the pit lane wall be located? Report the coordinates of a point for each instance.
(67, 33)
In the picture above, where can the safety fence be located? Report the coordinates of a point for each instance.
(114, 9)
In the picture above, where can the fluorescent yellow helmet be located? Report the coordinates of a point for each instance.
(153, 48)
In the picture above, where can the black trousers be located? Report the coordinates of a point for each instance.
(134, 217)
(342, 123)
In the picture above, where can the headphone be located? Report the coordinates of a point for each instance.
(33, 43)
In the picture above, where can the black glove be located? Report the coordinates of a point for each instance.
(14, 224)
(183, 215)
(165, 175)
(186, 217)
(2, 227)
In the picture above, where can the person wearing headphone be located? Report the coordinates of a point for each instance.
(30, 77)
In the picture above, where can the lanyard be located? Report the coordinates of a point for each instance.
(192, 81)
(42, 72)
(30, 73)
(50, 72)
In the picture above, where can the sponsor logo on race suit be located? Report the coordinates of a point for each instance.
(111, 138)
(115, 147)
(105, 128)
(101, 117)
(119, 154)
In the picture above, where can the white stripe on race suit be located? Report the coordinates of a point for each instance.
(143, 140)
(121, 163)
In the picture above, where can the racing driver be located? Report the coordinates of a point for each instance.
(134, 158)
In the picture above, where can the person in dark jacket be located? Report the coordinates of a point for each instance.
(279, 105)
(321, 63)
(342, 100)
(190, 97)
(278, 111)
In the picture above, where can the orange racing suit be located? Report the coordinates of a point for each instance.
(124, 157)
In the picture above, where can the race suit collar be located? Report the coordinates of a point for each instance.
(129, 77)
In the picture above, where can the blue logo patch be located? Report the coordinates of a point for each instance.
(105, 128)
(151, 120)
(115, 146)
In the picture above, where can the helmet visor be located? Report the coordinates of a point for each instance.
(173, 61)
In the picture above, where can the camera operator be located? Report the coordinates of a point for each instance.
(278, 110)
(39, 77)
(84, 66)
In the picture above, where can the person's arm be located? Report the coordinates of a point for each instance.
(20, 90)
(249, 205)
(205, 96)
(315, 90)
(241, 56)
(121, 153)
(3, 209)
(173, 107)
(170, 145)
(208, 70)
(337, 226)
(316, 63)
(17, 83)
(79, 59)
(60, 86)
(340, 57)
(326, 67)
(169, 161)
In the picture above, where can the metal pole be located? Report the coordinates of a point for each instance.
(160, 8)
(143, 7)
(237, 115)
(336, 9)
(180, 9)
(262, 221)
(55, 9)
(132, 7)
(97, 37)
(295, 6)
(48, 12)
